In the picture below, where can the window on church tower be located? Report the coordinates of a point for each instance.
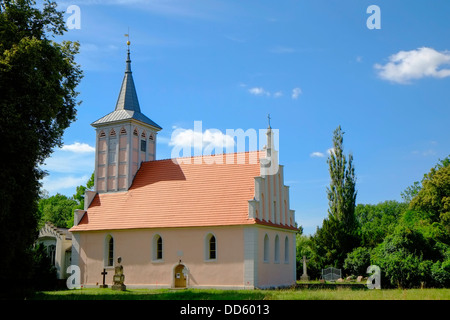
(112, 150)
(143, 145)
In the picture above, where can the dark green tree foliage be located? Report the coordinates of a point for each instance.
(417, 251)
(357, 261)
(407, 257)
(57, 209)
(376, 221)
(38, 78)
(305, 247)
(43, 273)
(434, 195)
(79, 195)
(339, 233)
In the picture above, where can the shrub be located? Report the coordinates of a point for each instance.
(357, 261)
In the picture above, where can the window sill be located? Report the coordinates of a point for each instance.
(158, 261)
(210, 260)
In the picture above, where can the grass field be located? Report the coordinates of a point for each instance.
(210, 294)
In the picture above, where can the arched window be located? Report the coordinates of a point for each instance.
(135, 132)
(286, 250)
(109, 248)
(102, 134)
(210, 247)
(112, 133)
(123, 131)
(151, 137)
(277, 249)
(157, 248)
(266, 248)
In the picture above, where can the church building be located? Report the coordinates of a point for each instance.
(180, 223)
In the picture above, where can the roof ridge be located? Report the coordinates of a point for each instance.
(210, 155)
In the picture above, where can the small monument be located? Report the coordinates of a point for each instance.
(104, 273)
(119, 277)
(304, 276)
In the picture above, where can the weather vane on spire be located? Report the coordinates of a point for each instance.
(128, 36)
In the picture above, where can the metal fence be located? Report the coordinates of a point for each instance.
(331, 274)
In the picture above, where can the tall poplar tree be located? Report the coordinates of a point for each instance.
(38, 77)
(338, 234)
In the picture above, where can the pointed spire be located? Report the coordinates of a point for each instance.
(128, 62)
(128, 99)
(127, 106)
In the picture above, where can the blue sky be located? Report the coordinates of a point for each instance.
(313, 65)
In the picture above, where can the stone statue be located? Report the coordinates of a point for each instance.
(304, 276)
(119, 277)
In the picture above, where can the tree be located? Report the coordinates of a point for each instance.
(377, 221)
(406, 258)
(342, 190)
(418, 249)
(338, 234)
(58, 210)
(79, 195)
(357, 261)
(38, 78)
(434, 195)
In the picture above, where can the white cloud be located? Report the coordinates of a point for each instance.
(405, 66)
(61, 184)
(78, 147)
(296, 92)
(258, 91)
(317, 154)
(209, 138)
(278, 94)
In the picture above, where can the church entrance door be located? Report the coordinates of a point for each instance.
(180, 276)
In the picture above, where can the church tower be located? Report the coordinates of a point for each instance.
(124, 139)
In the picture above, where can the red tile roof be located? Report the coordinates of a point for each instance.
(171, 193)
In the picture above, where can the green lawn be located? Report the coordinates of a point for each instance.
(210, 294)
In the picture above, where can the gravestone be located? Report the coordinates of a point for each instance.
(119, 277)
(304, 276)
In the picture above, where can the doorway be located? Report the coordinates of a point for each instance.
(180, 274)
